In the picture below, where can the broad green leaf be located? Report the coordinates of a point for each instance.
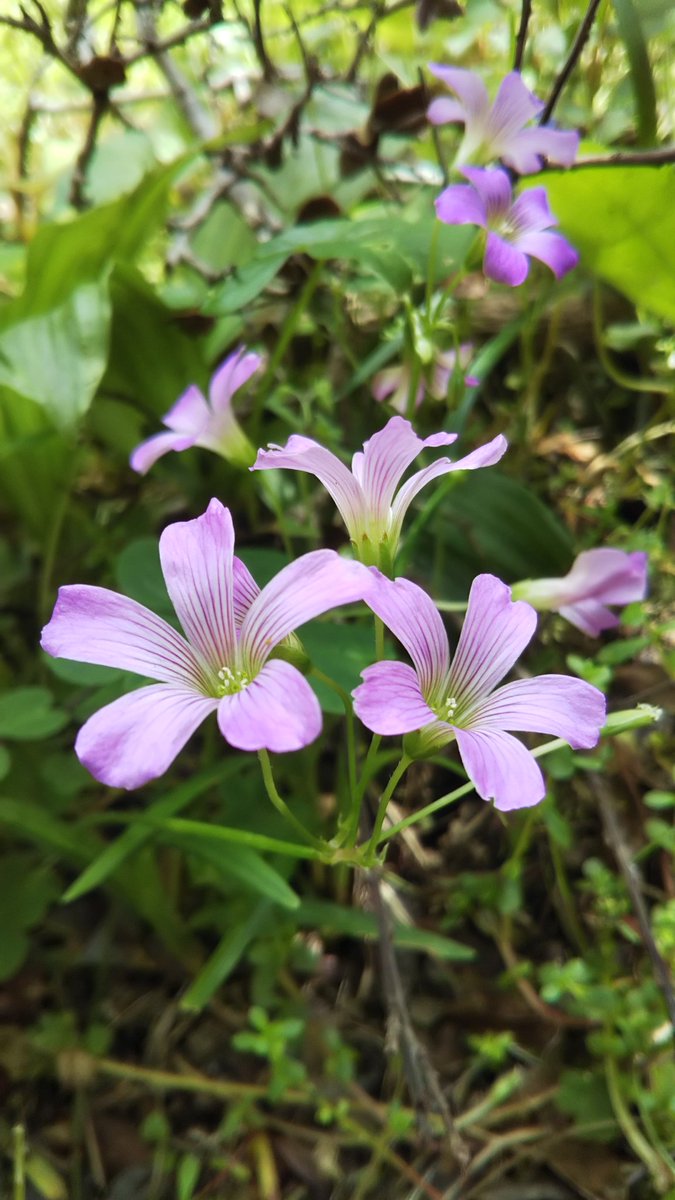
(251, 871)
(139, 575)
(27, 714)
(630, 28)
(240, 837)
(342, 652)
(622, 220)
(225, 957)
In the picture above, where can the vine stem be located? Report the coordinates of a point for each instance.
(281, 805)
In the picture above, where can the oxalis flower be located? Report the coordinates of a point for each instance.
(516, 230)
(393, 383)
(365, 495)
(444, 699)
(498, 130)
(222, 664)
(196, 421)
(597, 578)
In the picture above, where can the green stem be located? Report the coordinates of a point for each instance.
(285, 337)
(634, 1136)
(621, 377)
(433, 250)
(351, 833)
(379, 640)
(19, 1174)
(349, 717)
(396, 777)
(281, 805)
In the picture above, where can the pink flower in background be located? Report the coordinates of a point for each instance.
(365, 495)
(516, 231)
(393, 383)
(498, 130)
(597, 578)
(196, 421)
(222, 664)
(444, 699)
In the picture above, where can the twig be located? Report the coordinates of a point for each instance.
(578, 45)
(200, 121)
(268, 68)
(617, 843)
(364, 41)
(168, 43)
(628, 158)
(525, 13)
(99, 107)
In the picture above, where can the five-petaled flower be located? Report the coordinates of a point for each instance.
(365, 495)
(196, 421)
(393, 383)
(222, 664)
(597, 578)
(444, 699)
(515, 230)
(498, 130)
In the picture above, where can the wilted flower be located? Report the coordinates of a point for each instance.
(597, 578)
(515, 231)
(365, 495)
(196, 421)
(223, 663)
(445, 700)
(498, 130)
(393, 383)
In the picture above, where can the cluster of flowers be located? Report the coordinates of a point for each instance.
(238, 658)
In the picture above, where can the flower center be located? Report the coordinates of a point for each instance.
(230, 681)
(449, 710)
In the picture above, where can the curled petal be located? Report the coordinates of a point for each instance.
(304, 454)
(460, 204)
(496, 630)
(190, 414)
(95, 625)
(590, 616)
(413, 618)
(390, 701)
(484, 456)
(527, 148)
(136, 738)
(230, 376)
(278, 711)
(549, 248)
(384, 459)
(146, 455)
(557, 704)
(196, 559)
(505, 263)
(501, 768)
(467, 85)
(612, 576)
(313, 584)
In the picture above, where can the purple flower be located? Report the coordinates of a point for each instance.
(596, 578)
(498, 130)
(445, 699)
(365, 495)
(222, 664)
(196, 421)
(393, 383)
(514, 230)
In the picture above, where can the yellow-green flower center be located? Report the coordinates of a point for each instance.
(230, 681)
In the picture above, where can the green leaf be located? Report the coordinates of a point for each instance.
(240, 863)
(225, 958)
(354, 922)
(622, 220)
(27, 714)
(139, 574)
(642, 80)
(341, 652)
(240, 837)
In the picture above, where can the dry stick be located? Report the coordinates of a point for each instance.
(422, 1080)
(198, 118)
(525, 13)
(617, 843)
(578, 45)
(628, 158)
(99, 107)
(268, 67)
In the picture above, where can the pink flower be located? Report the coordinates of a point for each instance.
(196, 421)
(516, 230)
(596, 578)
(393, 383)
(365, 495)
(498, 130)
(223, 664)
(446, 699)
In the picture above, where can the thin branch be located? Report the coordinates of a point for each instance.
(176, 39)
(629, 158)
(198, 118)
(525, 13)
(572, 58)
(98, 109)
(268, 68)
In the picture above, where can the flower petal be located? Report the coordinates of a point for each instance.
(504, 263)
(496, 630)
(501, 768)
(531, 212)
(146, 455)
(460, 204)
(552, 249)
(494, 188)
(196, 559)
(230, 376)
(384, 459)
(389, 701)
(190, 414)
(278, 711)
(304, 454)
(590, 616)
(95, 625)
(527, 148)
(136, 738)
(484, 456)
(443, 111)
(313, 584)
(244, 591)
(610, 575)
(413, 618)
(513, 107)
(468, 85)
(560, 705)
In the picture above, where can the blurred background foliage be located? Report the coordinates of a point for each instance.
(201, 1017)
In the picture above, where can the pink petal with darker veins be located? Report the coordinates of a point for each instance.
(495, 632)
(504, 263)
(278, 711)
(413, 618)
(146, 455)
(461, 205)
(390, 701)
(550, 248)
(560, 705)
(501, 768)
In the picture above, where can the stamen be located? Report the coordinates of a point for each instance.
(231, 681)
